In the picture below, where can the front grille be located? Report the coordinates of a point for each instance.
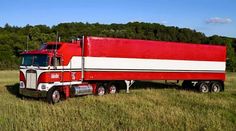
(31, 79)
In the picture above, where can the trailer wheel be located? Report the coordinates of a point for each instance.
(53, 96)
(203, 87)
(100, 90)
(215, 86)
(112, 89)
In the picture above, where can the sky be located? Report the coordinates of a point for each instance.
(212, 17)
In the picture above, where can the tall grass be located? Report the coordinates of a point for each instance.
(149, 106)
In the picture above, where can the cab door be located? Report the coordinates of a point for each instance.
(57, 63)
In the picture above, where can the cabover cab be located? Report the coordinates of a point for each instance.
(98, 65)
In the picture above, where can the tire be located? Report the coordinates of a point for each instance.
(215, 86)
(203, 87)
(112, 89)
(53, 96)
(100, 90)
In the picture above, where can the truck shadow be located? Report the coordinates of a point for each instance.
(13, 89)
(155, 85)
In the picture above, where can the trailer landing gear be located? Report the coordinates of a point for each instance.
(128, 84)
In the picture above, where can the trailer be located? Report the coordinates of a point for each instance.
(99, 65)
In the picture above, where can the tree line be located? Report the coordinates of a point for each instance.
(13, 39)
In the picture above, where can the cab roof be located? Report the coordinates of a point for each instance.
(50, 47)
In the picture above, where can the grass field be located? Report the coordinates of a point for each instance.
(149, 106)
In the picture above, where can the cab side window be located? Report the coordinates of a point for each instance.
(56, 61)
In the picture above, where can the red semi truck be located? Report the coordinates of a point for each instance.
(99, 65)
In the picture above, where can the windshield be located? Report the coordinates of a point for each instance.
(35, 60)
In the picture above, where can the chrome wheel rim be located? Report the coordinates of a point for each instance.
(101, 91)
(204, 88)
(56, 96)
(215, 88)
(112, 89)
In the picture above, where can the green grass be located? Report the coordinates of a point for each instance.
(149, 106)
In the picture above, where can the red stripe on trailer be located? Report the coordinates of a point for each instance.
(153, 76)
(124, 75)
(127, 48)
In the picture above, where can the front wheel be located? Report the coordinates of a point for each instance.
(53, 96)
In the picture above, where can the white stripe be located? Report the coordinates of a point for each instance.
(151, 64)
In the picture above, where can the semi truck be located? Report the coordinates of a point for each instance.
(100, 65)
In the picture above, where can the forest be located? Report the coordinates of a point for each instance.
(13, 39)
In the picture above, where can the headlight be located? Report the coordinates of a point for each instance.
(43, 87)
(22, 84)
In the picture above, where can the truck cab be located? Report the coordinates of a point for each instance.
(47, 68)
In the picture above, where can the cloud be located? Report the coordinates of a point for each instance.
(163, 22)
(218, 20)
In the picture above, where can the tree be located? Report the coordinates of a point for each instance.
(231, 58)
(13, 39)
